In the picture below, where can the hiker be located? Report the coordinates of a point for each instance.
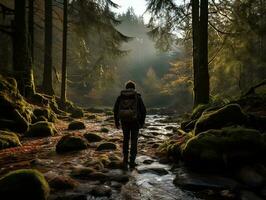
(130, 110)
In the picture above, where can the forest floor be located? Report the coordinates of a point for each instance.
(150, 179)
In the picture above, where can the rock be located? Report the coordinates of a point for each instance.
(41, 129)
(90, 117)
(153, 168)
(250, 177)
(98, 176)
(101, 191)
(227, 147)
(77, 112)
(104, 130)
(22, 124)
(108, 113)
(45, 112)
(82, 172)
(106, 146)
(71, 143)
(228, 115)
(76, 125)
(95, 110)
(248, 195)
(93, 137)
(24, 184)
(118, 176)
(8, 139)
(193, 181)
(59, 182)
(71, 197)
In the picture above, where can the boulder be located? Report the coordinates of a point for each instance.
(226, 147)
(8, 139)
(77, 113)
(101, 191)
(104, 130)
(106, 146)
(41, 129)
(250, 177)
(76, 125)
(93, 137)
(59, 182)
(230, 114)
(45, 112)
(21, 124)
(154, 168)
(24, 184)
(71, 143)
(82, 172)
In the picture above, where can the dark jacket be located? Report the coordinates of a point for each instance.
(140, 106)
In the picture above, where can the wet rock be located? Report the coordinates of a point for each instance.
(41, 129)
(118, 176)
(104, 130)
(101, 191)
(24, 184)
(248, 195)
(90, 117)
(8, 139)
(93, 137)
(71, 143)
(250, 177)
(106, 146)
(98, 176)
(82, 172)
(153, 169)
(228, 115)
(226, 147)
(59, 182)
(192, 181)
(76, 125)
(148, 161)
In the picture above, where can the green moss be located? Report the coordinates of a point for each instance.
(24, 184)
(41, 129)
(228, 115)
(106, 146)
(76, 125)
(45, 112)
(225, 147)
(8, 139)
(93, 137)
(197, 112)
(71, 143)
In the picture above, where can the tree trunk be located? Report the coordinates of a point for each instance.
(195, 38)
(47, 84)
(31, 28)
(200, 51)
(22, 61)
(203, 55)
(64, 54)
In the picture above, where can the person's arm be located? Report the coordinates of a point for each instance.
(116, 108)
(142, 112)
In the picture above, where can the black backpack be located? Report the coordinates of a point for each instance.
(128, 108)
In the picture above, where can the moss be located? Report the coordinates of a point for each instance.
(77, 113)
(24, 184)
(41, 129)
(224, 148)
(228, 115)
(93, 137)
(76, 125)
(21, 123)
(197, 112)
(71, 143)
(8, 139)
(106, 146)
(45, 112)
(104, 130)
(109, 113)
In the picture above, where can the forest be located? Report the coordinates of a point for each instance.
(102, 103)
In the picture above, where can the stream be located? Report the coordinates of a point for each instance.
(150, 180)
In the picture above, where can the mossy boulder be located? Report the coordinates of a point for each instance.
(82, 172)
(106, 146)
(45, 112)
(93, 137)
(24, 184)
(8, 139)
(230, 114)
(227, 147)
(77, 113)
(76, 125)
(41, 129)
(71, 143)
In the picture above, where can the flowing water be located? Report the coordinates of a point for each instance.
(149, 181)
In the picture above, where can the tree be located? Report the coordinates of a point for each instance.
(64, 54)
(31, 28)
(47, 84)
(22, 61)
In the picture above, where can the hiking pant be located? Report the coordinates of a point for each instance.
(130, 132)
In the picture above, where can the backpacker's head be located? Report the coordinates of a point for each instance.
(130, 85)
